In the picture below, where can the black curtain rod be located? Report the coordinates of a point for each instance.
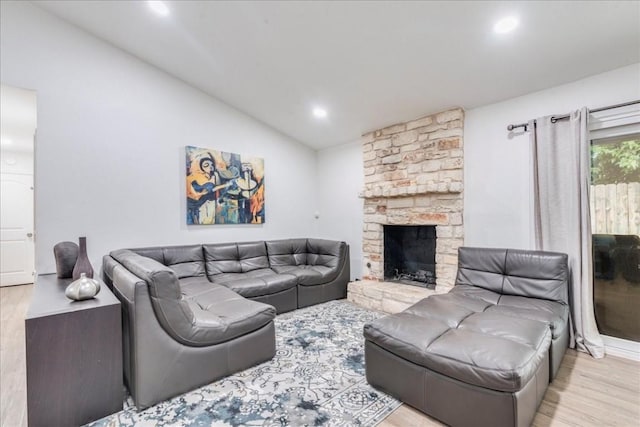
(566, 116)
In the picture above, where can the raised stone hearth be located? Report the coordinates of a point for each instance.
(414, 176)
(387, 296)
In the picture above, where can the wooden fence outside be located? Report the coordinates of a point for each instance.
(615, 208)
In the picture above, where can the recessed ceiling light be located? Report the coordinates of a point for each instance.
(320, 113)
(6, 141)
(506, 25)
(158, 7)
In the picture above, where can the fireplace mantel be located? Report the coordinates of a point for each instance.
(393, 192)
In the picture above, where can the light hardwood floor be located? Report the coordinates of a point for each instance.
(586, 392)
(14, 301)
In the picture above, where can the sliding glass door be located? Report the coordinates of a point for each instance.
(615, 216)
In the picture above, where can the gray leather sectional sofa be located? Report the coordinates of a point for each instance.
(483, 354)
(194, 314)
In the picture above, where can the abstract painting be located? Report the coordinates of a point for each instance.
(224, 188)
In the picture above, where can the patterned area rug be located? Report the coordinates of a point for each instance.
(316, 378)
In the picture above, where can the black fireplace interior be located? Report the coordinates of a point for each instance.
(410, 254)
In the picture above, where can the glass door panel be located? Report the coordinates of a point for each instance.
(615, 222)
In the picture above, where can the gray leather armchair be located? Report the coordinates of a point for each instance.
(175, 341)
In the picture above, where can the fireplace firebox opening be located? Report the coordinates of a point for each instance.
(410, 254)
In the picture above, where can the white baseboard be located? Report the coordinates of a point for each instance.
(622, 348)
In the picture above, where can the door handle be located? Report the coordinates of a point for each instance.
(29, 234)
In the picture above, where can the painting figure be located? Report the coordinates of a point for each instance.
(202, 179)
(257, 206)
(224, 188)
(247, 185)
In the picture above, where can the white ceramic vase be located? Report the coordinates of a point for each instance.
(83, 288)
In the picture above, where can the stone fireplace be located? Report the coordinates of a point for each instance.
(414, 177)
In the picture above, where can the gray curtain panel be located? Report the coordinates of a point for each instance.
(561, 168)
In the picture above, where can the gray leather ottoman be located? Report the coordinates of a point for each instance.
(483, 354)
(440, 358)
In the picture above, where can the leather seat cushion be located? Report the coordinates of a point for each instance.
(257, 282)
(185, 261)
(235, 258)
(324, 252)
(405, 334)
(450, 308)
(553, 314)
(534, 274)
(485, 349)
(308, 275)
(287, 252)
(499, 354)
(476, 292)
(220, 314)
(192, 286)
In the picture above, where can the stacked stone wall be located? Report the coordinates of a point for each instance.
(414, 176)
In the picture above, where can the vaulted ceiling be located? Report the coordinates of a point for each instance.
(369, 64)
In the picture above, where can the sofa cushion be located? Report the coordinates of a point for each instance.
(193, 286)
(221, 258)
(553, 314)
(438, 309)
(252, 256)
(288, 252)
(477, 293)
(469, 301)
(235, 258)
(220, 315)
(536, 274)
(257, 282)
(185, 261)
(405, 334)
(481, 267)
(494, 361)
(308, 275)
(324, 252)
(484, 349)
(521, 330)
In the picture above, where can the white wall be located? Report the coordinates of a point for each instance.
(497, 171)
(340, 178)
(111, 137)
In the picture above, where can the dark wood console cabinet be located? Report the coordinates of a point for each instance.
(74, 355)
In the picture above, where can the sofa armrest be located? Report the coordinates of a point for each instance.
(125, 283)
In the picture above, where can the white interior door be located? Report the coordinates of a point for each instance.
(16, 229)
